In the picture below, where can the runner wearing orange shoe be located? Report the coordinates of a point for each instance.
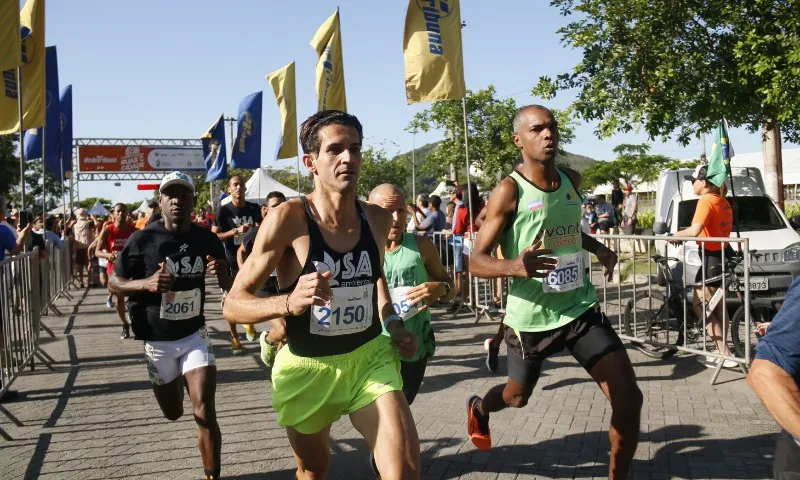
(535, 215)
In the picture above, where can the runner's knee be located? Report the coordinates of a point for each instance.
(628, 401)
(516, 399)
(173, 413)
(312, 473)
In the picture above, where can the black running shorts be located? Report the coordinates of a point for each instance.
(588, 338)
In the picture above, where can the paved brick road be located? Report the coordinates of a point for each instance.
(95, 417)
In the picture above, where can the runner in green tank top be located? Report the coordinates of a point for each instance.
(535, 216)
(409, 262)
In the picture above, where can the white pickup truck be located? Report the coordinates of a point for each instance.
(771, 236)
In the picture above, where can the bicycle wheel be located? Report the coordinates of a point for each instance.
(652, 322)
(738, 325)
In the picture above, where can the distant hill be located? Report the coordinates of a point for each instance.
(578, 162)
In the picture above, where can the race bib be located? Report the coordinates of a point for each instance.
(180, 305)
(237, 239)
(102, 262)
(568, 274)
(350, 311)
(401, 306)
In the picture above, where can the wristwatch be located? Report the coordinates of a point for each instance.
(446, 289)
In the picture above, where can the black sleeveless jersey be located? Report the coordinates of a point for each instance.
(352, 318)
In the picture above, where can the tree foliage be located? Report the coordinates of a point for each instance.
(378, 168)
(676, 68)
(490, 130)
(633, 165)
(9, 165)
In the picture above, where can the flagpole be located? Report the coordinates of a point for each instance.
(466, 155)
(413, 167)
(299, 150)
(21, 141)
(44, 172)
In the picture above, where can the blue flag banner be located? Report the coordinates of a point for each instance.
(214, 151)
(65, 104)
(247, 147)
(52, 128)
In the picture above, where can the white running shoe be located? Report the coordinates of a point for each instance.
(711, 362)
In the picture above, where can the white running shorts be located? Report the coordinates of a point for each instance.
(166, 360)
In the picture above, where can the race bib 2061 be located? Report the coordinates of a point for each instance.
(180, 305)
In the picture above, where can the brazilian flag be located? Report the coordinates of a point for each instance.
(719, 162)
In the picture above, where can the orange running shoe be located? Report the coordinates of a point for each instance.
(478, 424)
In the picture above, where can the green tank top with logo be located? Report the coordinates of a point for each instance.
(541, 304)
(404, 268)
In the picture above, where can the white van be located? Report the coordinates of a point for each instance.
(759, 219)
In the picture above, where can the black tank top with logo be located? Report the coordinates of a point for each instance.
(352, 318)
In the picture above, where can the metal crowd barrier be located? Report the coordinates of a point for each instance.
(57, 275)
(640, 305)
(656, 309)
(20, 316)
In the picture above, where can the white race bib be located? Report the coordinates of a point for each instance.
(350, 311)
(401, 306)
(180, 305)
(568, 274)
(102, 262)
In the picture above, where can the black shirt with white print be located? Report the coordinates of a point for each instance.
(178, 313)
(230, 217)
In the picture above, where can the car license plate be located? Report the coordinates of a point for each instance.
(757, 284)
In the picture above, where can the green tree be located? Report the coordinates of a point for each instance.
(490, 129)
(675, 69)
(89, 202)
(33, 188)
(378, 168)
(9, 165)
(633, 165)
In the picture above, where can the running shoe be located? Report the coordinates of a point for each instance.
(478, 424)
(373, 465)
(491, 354)
(236, 346)
(126, 332)
(109, 302)
(268, 350)
(250, 332)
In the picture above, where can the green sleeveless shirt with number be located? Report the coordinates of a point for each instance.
(404, 268)
(541, 304)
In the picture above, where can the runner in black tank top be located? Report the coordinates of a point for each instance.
(357, 271)
(336, 303)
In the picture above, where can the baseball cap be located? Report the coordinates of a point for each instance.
(698, 174)
(81, 212)
(176, 178)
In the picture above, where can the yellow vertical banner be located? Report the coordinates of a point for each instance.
(33, 76)
(434, 62)
(330, 69)
(10, 53)
(282, 81)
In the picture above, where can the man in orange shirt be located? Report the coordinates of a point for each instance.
(713, 217)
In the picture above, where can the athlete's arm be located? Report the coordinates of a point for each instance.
(99, 248)
(241, 255)
(529, 263)
(441, 288)
(283, 226)
(222, 216)
(129, 276)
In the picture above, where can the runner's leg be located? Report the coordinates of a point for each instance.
(412, 373)
(614, 373)
(119, 305)
(202, 385)
(311, 452)
(388, 428)
(170, 398)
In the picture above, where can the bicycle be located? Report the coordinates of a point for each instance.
(662, 316)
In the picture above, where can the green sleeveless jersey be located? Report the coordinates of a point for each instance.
(404, 268)
(541, 304)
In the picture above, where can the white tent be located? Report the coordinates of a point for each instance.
(441, 190)
(64, 210)
(259, 185)
(98, 210)
(143, 207)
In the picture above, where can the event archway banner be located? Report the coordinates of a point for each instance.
(130, 158)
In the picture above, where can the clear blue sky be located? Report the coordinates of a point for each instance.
(168, 69)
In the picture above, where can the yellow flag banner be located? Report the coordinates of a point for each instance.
(330, 69)
(432, 52)
(33, 76)
(282, 81)
(10, 55)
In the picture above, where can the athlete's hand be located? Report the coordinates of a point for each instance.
(311, 289)
(404, 342)
(424, 294)
(244, 228)
(608, 259)
(161, 281)
(113, 257)
(215, 266)
(533, 264)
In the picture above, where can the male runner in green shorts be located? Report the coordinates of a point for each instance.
(552, 304)
(409, 262)
(336, 304)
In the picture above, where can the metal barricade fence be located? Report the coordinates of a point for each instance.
(660, 316)
(20, 312)
(56, 274)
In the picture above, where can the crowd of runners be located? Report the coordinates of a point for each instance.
(347, 292)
